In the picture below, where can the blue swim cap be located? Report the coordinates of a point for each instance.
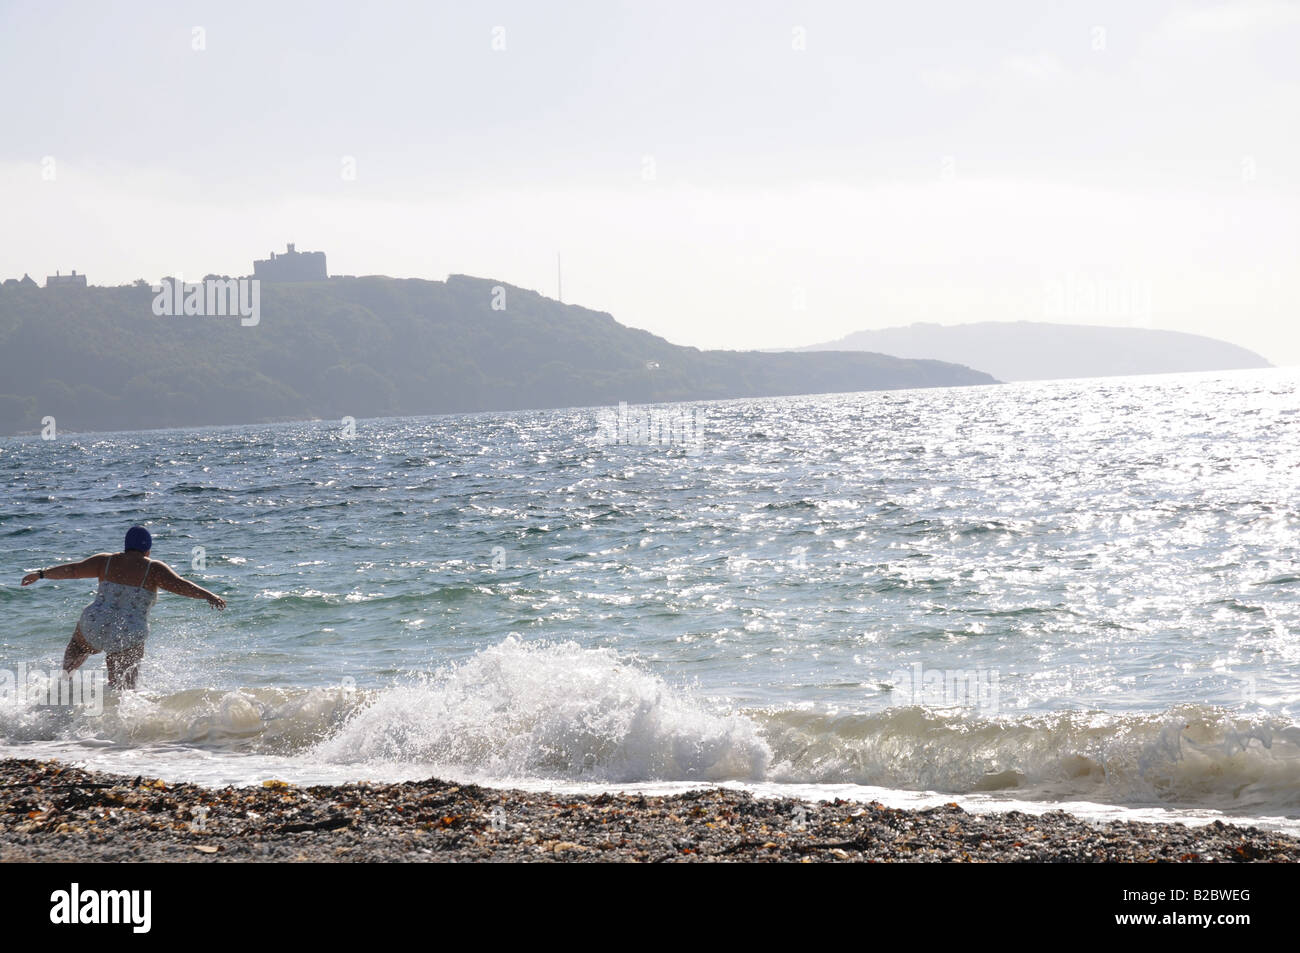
(137, 537)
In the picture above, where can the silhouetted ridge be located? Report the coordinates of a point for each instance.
(101, 359)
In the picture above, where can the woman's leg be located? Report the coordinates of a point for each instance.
(124, 666)
(77, 652)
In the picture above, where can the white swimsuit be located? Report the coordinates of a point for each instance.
(118, 619)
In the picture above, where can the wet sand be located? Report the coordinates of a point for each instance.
(51, 811)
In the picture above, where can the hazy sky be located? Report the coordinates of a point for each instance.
(741, 174)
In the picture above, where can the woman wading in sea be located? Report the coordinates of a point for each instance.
(117, 622)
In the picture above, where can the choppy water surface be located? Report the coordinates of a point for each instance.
(1075, 593)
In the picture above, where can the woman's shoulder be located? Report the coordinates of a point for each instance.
(93, 566)
(158, 570)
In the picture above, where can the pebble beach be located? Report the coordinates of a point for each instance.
(51, 811)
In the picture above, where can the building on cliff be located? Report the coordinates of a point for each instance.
(292, 265)
(60, 280)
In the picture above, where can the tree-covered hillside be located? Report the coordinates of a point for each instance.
(100, 359)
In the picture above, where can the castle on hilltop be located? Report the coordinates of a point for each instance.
(292, 265)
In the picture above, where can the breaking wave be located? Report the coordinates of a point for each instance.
(543, 710)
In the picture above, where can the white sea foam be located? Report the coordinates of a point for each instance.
(529, 709)
(544, 712)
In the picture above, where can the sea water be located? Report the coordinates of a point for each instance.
(1077, 594)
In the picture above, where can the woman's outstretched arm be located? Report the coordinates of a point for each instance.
(88, 568)
(169, 580)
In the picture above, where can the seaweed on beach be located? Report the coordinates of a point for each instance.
(51, 811)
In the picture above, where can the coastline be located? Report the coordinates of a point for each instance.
(54, 812)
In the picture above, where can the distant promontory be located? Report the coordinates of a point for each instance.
(1028, 350)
